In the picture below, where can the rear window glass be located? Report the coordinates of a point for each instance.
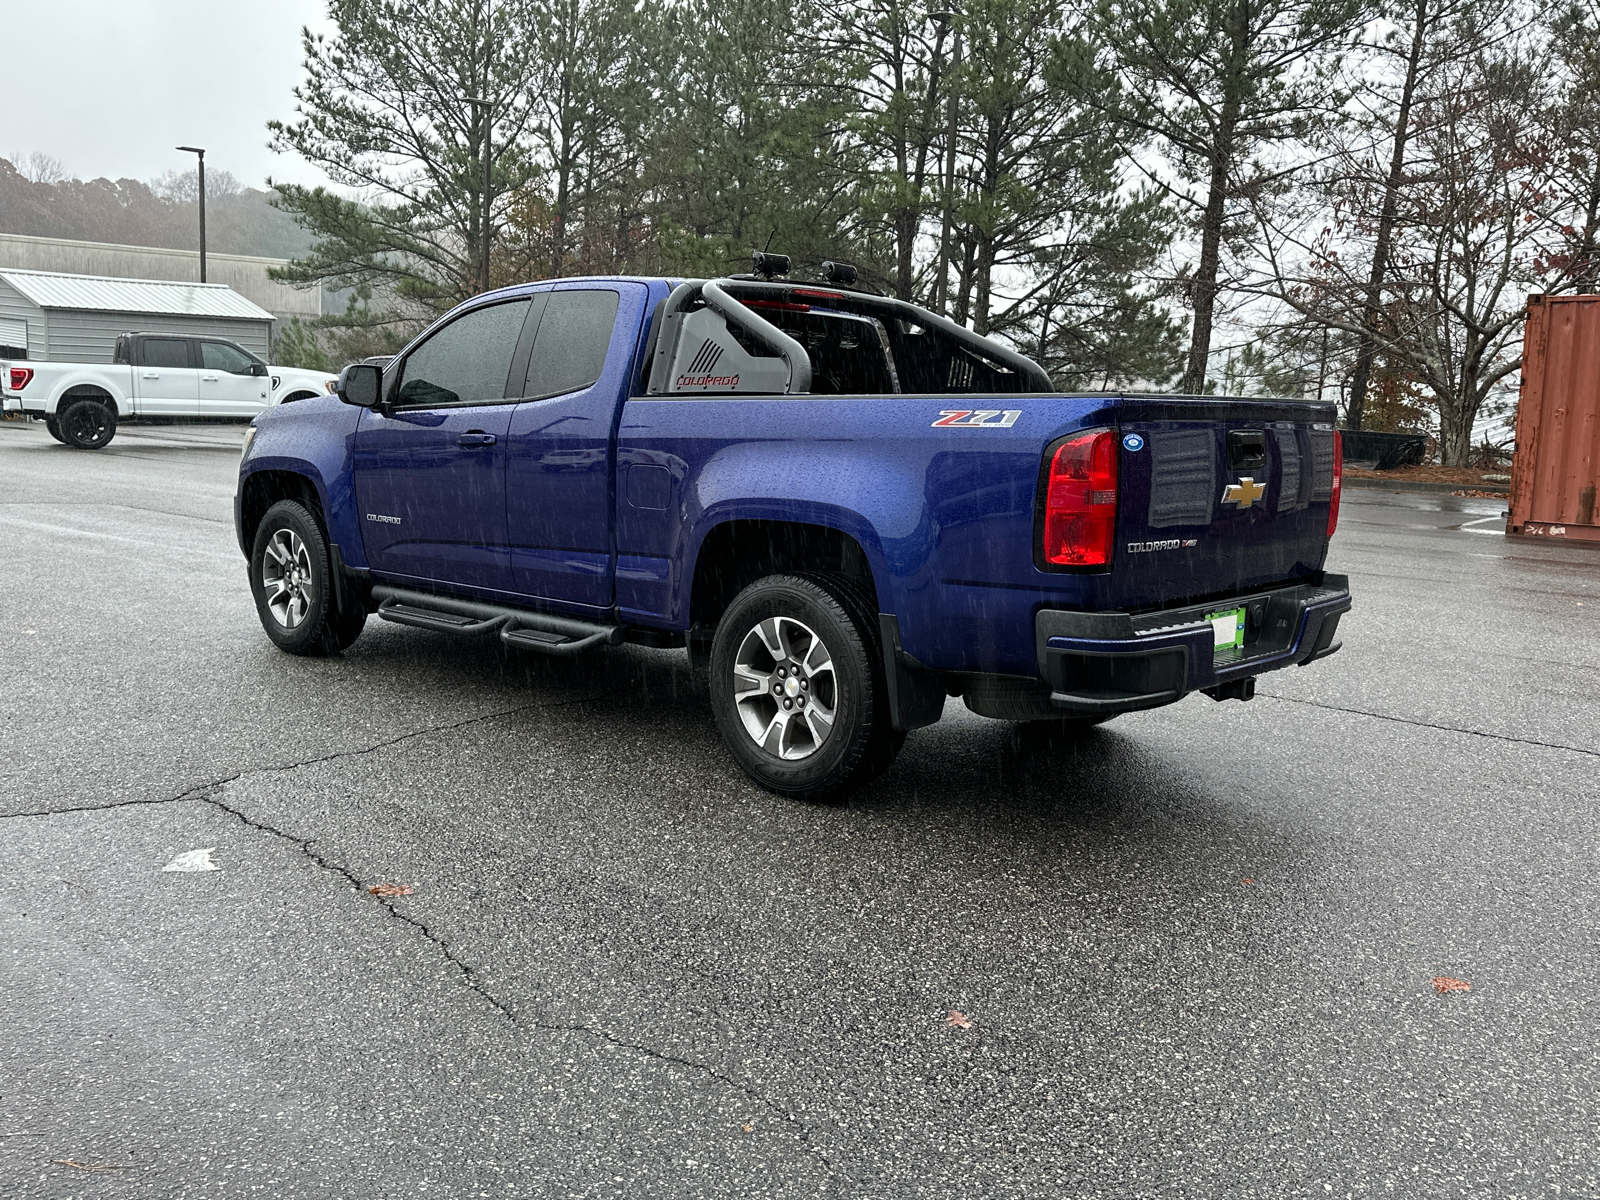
(569, 352)
(166, 352)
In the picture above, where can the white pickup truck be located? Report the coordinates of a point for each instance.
(151, 375)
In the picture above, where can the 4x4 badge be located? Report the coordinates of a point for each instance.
(1244, 493)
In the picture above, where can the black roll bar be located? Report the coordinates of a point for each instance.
(716, 293)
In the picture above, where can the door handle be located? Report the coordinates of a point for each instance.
(209, 378)
(151, 375)
(476, 438)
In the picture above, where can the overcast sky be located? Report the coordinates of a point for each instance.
(111, 86)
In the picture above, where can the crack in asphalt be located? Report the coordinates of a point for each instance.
(205, 793)
(197, 792)
(468, 972)
(1498, 737)
(710, 1072)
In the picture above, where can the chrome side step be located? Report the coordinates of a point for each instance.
(546, 633)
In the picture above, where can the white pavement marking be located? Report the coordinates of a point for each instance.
(194, 860)
(144, 543)
(1467, 526)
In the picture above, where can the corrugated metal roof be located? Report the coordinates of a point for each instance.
(49, 290)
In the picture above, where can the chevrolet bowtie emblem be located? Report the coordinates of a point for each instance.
(1244, 493)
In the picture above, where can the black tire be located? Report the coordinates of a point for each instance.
(802, 756)
(53, 428)
(87, 424)
(291, 580)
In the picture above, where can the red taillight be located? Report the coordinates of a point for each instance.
(1338, 482)
(20, 376)
(1080, 506)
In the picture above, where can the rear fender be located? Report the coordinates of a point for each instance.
(793, 510)
(78, 383)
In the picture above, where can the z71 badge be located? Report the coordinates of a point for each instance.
(968, 418)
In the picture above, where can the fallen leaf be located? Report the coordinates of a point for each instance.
(1443, 984)
(749, 1128)
(389, 889)
(1247, 881)
(959, 1019)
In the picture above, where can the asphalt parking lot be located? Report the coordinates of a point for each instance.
(1194, 946)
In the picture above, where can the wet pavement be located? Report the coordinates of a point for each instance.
(1194, 947)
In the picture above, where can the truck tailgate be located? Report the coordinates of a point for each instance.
(1219, 495)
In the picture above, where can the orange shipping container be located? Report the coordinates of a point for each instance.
(1558, 421)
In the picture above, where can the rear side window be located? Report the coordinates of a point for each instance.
(569, 352)
(166, 352)
(467, 361)
(221, 356)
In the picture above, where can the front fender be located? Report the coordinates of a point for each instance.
(295, 379)
(314, 439)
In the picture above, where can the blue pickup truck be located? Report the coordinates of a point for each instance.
(845, 507)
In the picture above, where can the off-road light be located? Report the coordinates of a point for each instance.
(768, 264)
(837, 272)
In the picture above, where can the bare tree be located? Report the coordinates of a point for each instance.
(1576, 42)
(1216, 82)
(39, 167)
(1471, 230)
(1429, 35)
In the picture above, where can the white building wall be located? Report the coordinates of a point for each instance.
(244, 274)
(89, 336)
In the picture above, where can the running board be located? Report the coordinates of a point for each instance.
(544, 632)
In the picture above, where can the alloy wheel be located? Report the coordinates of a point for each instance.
(286, 578)
(88, 422)
(786, 690)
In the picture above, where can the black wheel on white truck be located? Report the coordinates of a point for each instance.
(86, 422)
(291, 577)
(798, 689)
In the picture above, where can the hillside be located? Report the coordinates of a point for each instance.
(132, 213)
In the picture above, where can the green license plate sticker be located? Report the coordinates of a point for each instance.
(1228, 627)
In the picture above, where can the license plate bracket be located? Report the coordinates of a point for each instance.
(1227, 629)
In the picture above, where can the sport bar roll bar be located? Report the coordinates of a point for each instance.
(716, 294)
(764, 331)
(768, 334)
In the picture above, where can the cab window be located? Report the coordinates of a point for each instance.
(466, 362)
(223, 356)
(165, 352)
(569, 351)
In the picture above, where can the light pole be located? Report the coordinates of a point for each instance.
(202, 154)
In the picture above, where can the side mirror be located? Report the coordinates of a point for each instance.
(359, 384)
(259, 370)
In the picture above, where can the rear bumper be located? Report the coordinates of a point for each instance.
(1101, 663)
